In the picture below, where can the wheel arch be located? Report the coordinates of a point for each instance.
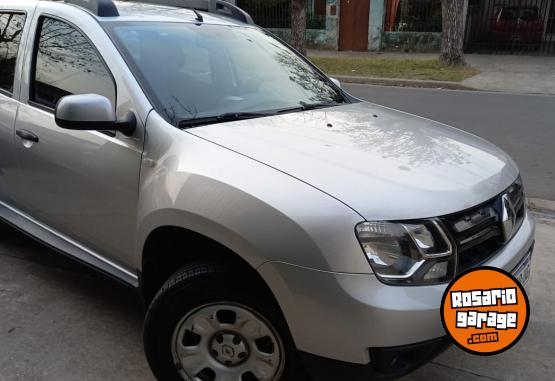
(169, 248)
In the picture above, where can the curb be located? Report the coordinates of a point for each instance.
(401, 82)
(541, 205)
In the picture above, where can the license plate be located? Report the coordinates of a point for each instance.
(522, 271)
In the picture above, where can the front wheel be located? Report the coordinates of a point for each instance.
(211, 323)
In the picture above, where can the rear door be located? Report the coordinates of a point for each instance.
(12, 23)
(81, 184)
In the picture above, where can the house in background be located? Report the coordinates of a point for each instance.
(275, 15)
(413, 25)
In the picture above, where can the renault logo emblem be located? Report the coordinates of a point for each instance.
(508, 217)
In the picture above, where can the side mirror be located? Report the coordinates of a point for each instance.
(336, 82)
(92, 112)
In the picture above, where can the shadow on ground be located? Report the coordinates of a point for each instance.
(62, 321)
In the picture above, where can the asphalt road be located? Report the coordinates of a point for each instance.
(522, 125)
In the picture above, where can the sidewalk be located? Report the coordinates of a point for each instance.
(506, 73)
(515, 74)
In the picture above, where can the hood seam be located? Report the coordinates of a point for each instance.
(279, 170)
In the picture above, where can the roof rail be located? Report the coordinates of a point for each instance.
(100, 8)
(107, 8)
(220, 7)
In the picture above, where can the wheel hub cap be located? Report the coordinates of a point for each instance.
(227, 342)
(228, 348)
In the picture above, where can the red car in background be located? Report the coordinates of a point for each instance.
(518, 24)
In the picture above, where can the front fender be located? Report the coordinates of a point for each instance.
(256, 211)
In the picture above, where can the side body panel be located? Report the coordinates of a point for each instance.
(8, 111)
(83, 184)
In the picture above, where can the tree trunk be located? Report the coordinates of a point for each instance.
(298, 25)
(453, 32)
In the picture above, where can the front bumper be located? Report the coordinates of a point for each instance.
(391, 362)
(341, 316)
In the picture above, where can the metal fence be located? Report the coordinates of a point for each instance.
(511, 27)
(277, 13)
(413, 16)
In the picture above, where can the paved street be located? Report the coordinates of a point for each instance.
(523, 125)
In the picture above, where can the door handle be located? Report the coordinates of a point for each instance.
(26, 135)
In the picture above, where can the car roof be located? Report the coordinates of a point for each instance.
(134, 11)
(139, 12)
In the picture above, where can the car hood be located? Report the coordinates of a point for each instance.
(383, 163)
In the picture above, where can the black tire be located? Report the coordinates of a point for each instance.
(200, 284)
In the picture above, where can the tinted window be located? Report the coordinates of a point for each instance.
(529, 14)
(525, 14)
(11, 28)
(66, 64)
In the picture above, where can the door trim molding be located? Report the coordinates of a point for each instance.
(65, 245)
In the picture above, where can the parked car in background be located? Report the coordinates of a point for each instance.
(518, 24)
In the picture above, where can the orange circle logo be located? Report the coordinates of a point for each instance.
(485, 311)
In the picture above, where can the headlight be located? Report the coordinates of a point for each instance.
(408, 253)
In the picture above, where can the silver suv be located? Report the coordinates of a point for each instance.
(277, 227)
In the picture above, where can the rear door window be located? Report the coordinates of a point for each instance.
(67, 63)
(11, 29)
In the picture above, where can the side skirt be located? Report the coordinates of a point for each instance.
(65, 245)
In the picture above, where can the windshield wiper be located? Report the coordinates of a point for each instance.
(304, 106)
(231, 116)
(227, 117)
(313, 106)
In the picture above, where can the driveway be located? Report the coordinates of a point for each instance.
(532, 357)
(60, 321)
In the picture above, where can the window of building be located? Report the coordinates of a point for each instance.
(413, 16)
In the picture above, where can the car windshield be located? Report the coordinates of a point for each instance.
(524, 14)
(210, 73)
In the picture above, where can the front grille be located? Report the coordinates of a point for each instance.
(480, 232)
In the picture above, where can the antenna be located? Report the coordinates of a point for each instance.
(199, 16)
